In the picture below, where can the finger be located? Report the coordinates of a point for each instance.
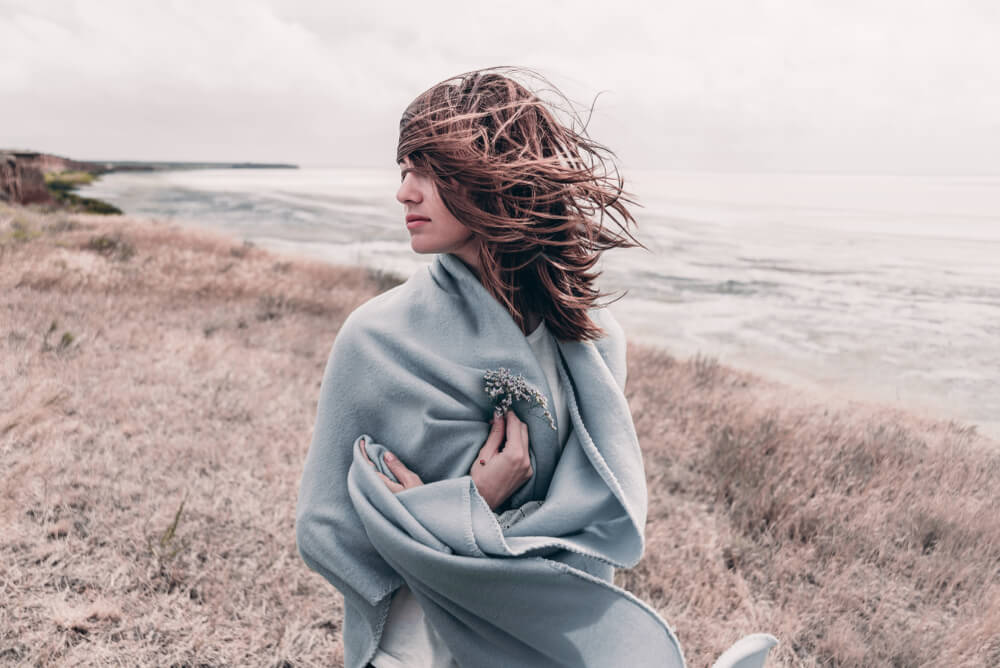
(515, 441)
(390, 483)
(403, 474)
(527, 444)
(365, 453)
(495, 439)
(513, 427)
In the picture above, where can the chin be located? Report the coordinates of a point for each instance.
(428, 245)
(422, 247)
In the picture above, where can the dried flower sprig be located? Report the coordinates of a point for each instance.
(505, 388)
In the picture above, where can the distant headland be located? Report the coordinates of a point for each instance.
(31, 177)
(140, 166)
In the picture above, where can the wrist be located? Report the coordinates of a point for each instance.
(485, 495)
(490, 500)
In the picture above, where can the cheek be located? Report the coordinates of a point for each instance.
(456, 230)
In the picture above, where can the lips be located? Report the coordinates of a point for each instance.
(415, 220)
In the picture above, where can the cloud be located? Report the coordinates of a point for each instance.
(714, 84)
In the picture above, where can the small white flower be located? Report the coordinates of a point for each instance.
(505, 388)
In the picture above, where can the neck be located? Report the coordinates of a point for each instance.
(532, 321)
(470, 258)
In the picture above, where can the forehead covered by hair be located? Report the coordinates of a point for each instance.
(484, 115)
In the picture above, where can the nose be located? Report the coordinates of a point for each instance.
(409, 192)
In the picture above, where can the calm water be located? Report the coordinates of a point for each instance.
(878, 287)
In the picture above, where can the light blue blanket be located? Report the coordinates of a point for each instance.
(406, 373)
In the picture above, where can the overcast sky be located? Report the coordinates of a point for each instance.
(842, 85)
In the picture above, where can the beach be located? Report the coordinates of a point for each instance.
(160, 387)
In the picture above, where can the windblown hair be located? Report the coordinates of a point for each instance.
(534, 191)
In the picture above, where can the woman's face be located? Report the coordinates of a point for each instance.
(439, 231)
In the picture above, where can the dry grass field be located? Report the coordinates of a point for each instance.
(158, 393)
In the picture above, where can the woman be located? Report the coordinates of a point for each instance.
(462, 541)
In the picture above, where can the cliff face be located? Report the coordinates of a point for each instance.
(21, 181)
(50, 164)
(22, 175)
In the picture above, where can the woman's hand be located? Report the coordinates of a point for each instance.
(497, 473)
(404, 475)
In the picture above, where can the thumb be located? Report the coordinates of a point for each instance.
(495, 439)
(404, 475)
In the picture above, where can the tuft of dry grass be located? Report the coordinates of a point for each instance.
(857, 534)
(182, 370)
(158, 402)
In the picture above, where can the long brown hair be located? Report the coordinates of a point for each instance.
(534, 191)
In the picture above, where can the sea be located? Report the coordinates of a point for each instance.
(876, 287)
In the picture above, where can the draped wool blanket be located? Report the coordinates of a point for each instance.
(406, 374)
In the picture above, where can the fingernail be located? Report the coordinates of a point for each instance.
(389, 456)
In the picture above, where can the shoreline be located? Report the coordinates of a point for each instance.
(33, 177)
(161, 386)
(843, 389)
(873, 343)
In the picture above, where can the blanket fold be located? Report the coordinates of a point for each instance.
(406, 374)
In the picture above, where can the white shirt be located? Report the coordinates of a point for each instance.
(408, 640)
(547, 351)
